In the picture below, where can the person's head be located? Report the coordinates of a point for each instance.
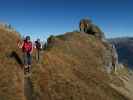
(38, 40)
(27, 38)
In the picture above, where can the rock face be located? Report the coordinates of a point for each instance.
(111, 56)
(87, 26)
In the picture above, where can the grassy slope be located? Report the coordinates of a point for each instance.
(11, 79)
(72, 70)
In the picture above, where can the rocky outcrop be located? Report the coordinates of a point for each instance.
(111, 56)
(88, 27)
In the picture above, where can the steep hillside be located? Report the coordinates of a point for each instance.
(11, 77)
(124, 48)
(72, 68)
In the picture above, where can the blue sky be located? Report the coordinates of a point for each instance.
(41, 18)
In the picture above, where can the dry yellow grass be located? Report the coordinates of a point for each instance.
(71, 69)
(11, 77)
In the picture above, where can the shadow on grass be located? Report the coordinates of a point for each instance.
(17, 58)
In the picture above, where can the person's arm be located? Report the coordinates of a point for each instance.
(20, 45)
(34, 45)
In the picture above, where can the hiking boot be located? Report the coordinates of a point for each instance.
(26, 69)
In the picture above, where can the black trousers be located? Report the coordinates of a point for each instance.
(38, 55)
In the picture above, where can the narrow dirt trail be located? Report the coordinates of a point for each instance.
(28, 89)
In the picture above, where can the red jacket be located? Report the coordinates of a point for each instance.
(27, 47)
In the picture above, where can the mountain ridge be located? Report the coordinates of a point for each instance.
(72, 68)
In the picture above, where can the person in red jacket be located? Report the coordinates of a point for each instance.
(27, 49)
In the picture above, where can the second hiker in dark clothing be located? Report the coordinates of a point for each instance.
(38, 49)
(27, 49)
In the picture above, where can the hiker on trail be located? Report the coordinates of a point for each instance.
(27, 49)
(38, 49)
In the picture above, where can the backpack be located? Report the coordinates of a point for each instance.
(27, 46)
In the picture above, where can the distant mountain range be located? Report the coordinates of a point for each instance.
(124, 48)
